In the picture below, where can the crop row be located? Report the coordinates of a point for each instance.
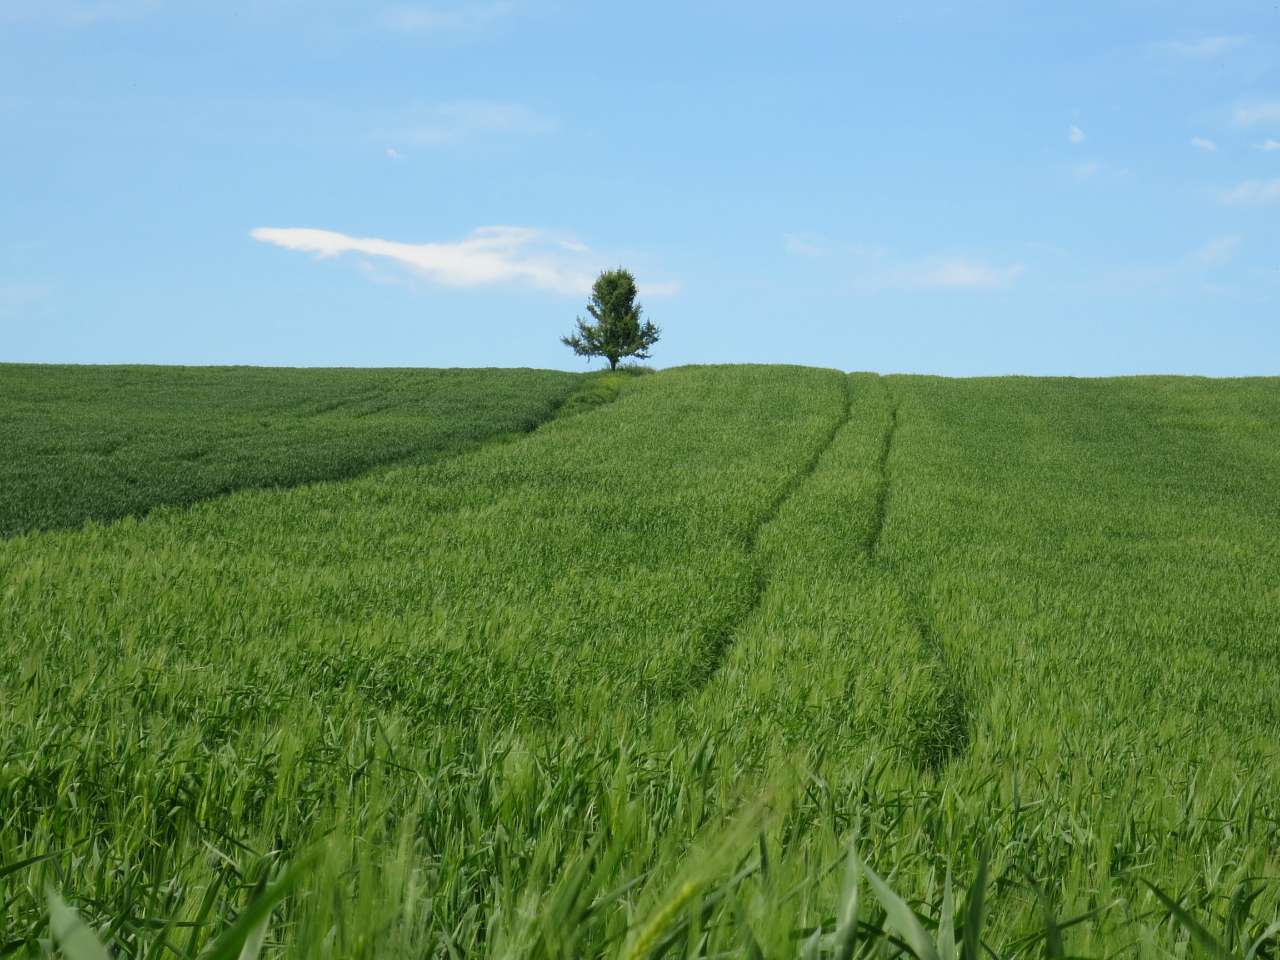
(106, 442)
(641, 680)
(213, 676)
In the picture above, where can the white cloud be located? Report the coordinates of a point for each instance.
(875, 268)
(960, 273)
(1086, 170)
(73, 13)
(445, 124)
(488, 256)
(1259, 111)
(1076, 135)
(1269, 145)
(1206, 48)
(394, 154)
(1098, 169)
(424, 18)
(23, 300)
(1200, 143)
(803, 245)
(1253, 192)
(1198, 265)
(663, 288)
(872, 268)
(1217, 251)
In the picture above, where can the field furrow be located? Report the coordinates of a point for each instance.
(762, 572)
(1090, 558)
(834, 651)
(225, 655)
(645, 675)
(946, 731)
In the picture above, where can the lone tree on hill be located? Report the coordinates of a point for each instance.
(617, 332)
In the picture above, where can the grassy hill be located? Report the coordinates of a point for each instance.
(638, 682)
(106, 442)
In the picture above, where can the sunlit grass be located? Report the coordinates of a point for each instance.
(104, 442)
(747, 662)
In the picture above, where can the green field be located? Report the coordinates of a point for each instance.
(107, 442)
(671, 677)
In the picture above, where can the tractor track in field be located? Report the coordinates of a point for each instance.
(723, 639)
(800, 476)
(947, 733)
(942, 724)
(872, 544)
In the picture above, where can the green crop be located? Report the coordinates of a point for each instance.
(105, 442)
(750, 661)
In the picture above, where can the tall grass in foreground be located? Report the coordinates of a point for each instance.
(751, 662)
(735, 894)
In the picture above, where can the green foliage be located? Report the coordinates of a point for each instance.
(599, 389)
(1011, 641)
(105, 442)
(618, 331)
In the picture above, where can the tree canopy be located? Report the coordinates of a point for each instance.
(618, 330)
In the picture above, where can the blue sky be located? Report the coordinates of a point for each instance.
(960, 188)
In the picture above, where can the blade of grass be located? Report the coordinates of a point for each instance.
(10, 868)
(902, 918)
(230, 942)
(1202, 937)
(847, 930)
(1267, 934)
(975, 911)
(947, 922)
(71, 933)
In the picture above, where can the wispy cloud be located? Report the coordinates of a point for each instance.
(804, 245)
(20, 296)
(488, 256)
(961, 273)
(1256, 112)
(659, 288)
(1201, 143)
(1097, 170)
(1205, 48)
(1201, 265)
(1076, 135)
(874, 268)
(1269, 145)
(394, 154)
(445, 124)
(1253, 192)
(432, 18)
(73, 13)
(1086, 170)
(1217, 251)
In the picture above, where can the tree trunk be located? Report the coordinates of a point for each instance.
(613, 363)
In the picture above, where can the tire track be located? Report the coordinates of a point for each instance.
(720, 642)
(944, 727)
(872, 544)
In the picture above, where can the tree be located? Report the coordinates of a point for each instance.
(618, 331)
